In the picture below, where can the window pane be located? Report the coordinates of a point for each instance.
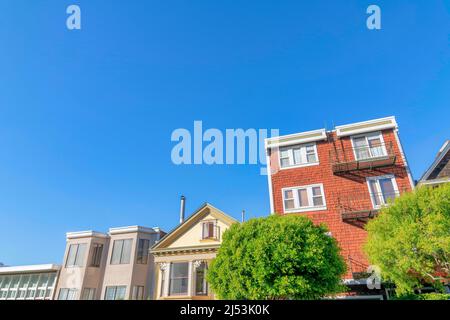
(289, 204)
(117, 252)
(43, 280)
(63, 294)
(96, 258)
(303, 198)
(126, 251)
(143, 251)
(374, 192)
(311, 154)
(297, 155)
(318, 201)
(288, 194)
(361, 148)
(15, 282)
(317, 191)
(71, 255)
(88, 294)
(79, 260)
(71, 295)
(387, 188)
(200, 280)
(376, 148)
(120, 293)
(179, 278)
(110, 293)
(284, 163)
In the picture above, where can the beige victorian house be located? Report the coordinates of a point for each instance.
(183, 255)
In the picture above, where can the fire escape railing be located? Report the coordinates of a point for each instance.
(346, 159)
(361, 206)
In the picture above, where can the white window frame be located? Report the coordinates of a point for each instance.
(310, 199)
(303, 155)
(377, 179)
(216, 229)
(368, 136)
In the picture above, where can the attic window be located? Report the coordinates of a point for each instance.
(210, 230)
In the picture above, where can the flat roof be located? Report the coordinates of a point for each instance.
(30, 268)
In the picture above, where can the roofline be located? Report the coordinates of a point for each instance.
(443, 151)
(393, 125)
(206, 204)
(131, 229)
(85, 234)
(30, 268)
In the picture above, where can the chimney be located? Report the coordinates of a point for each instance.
(243, 216)
(182, 208)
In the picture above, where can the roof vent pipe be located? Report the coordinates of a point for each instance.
(182, 208)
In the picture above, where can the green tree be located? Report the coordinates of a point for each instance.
(410, 239)
(277, 258)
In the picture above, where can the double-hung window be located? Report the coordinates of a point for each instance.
(299, 155)
(121, 252)
(75, 257)
(201, 286)
(306, 198)
(210, 230)
(382, 190)
(369, 146)
(179, 278)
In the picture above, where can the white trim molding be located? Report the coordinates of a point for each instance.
(366, 126)
(297, 138)
(133, 229)
(31, 268)
(442, 153)
(379, 191)
(310, 208)
(85, 234)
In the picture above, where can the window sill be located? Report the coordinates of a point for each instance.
(300, 166)
(209, 240)
(313, 209)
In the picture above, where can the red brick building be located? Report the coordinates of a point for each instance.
(340, 178)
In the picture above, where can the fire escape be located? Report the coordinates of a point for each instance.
(346, 160)
(359, 205)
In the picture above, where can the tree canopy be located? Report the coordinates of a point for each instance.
(277, 258)
(410, 239)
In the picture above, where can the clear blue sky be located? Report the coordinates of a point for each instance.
(86, 117)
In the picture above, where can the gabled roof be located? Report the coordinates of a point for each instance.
(440, 157)
(198, 215)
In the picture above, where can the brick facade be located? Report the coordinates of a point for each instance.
(351, 237)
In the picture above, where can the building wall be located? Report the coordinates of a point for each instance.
(85, 276)
(192, 237)
(28, 282)
(131, 274)
(350, 237)
(160, 293)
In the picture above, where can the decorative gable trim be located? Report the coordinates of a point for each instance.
(197, 216)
